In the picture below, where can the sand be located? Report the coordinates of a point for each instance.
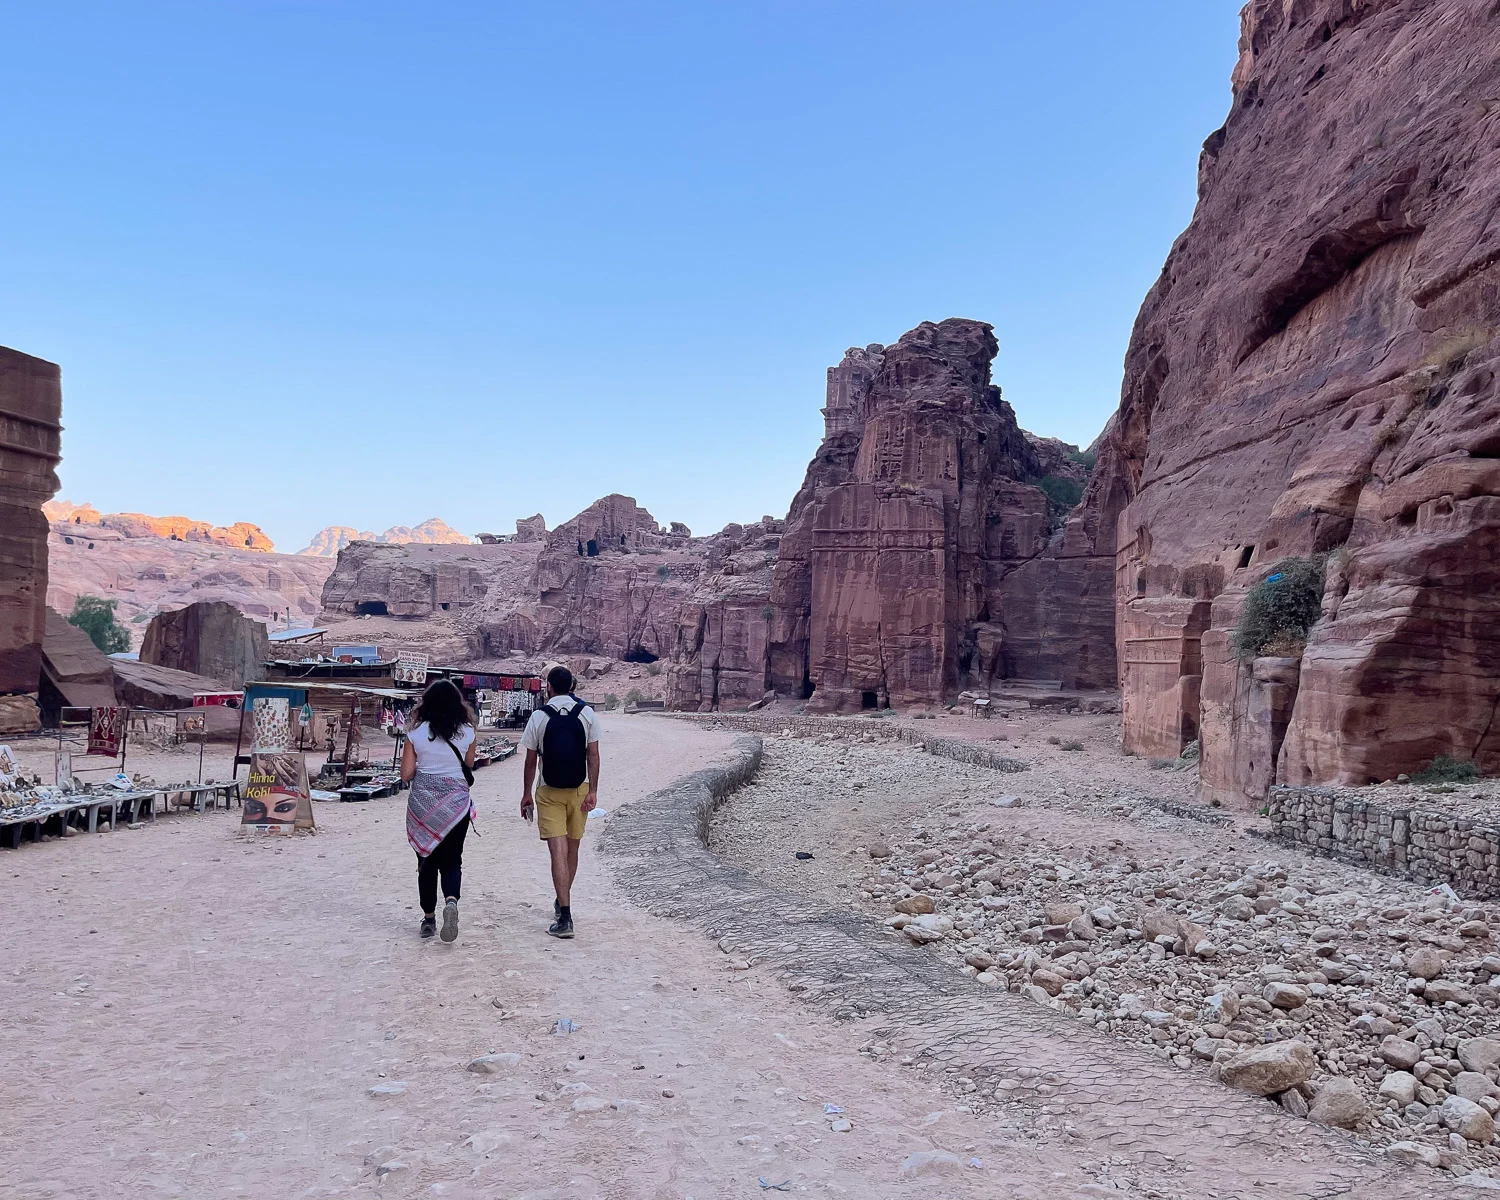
(194, 1012)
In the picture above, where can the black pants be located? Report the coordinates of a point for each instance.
(447, 859)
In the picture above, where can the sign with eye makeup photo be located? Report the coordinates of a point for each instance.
(277, 798)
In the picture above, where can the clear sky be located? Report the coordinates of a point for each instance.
(365, 263)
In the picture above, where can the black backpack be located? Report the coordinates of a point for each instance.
(565, 746)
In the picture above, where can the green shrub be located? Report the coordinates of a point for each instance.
(1163, 764)
(610, 702)
(1281, 609)
(96, 617)
(1086, 457)
(663, 571)
(633, 696)
(1054, 740)
(767, 612)
(653, 668)
(1447, 769)
(1071, 746)
(1062, 495)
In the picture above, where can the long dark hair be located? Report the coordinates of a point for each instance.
(444, 710)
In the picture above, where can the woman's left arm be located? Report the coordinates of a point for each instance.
(408, 762)
(469, 753)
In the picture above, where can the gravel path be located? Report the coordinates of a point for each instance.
(189, 1012)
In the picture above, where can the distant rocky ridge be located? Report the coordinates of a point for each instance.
(241, 535)
(326, 543)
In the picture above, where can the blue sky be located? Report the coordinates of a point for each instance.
(365, 263)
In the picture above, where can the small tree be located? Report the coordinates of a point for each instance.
(96, 617)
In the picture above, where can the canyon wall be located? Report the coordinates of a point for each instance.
(30, 448)
(1314, 373)
(210, 638)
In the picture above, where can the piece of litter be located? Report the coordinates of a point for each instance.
(802, 854)
(767, 1186)
(830, 1109)
(598, 812)
(976, 1162)
(564, 1027)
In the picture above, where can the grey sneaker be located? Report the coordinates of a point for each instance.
(562, 927)
(450, 920)
(429, 926)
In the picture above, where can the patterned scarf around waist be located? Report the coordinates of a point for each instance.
(434, 805)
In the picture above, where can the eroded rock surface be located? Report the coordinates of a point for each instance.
(211, 638)
(919, 554)
(30, 446)
(1314, 372)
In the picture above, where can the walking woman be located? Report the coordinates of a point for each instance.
(438, 762)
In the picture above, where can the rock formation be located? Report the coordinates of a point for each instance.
(30, 448)
(609, 581)
(241, 535)
(419, 580)
(920, 555)
(209, 638)
(75, 672)
(1315, 373)
(146, 575)
(326, 543)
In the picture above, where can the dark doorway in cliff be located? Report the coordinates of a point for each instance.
(639, 654)
(869, 699)
(444, 607)
(592, 548)
(1245, 556)
(370, 608)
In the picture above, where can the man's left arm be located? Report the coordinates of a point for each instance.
(592, 799)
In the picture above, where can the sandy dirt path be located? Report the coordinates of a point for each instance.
(190, 1012)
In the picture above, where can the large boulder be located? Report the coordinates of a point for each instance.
(1269, 1069)
(211, 638)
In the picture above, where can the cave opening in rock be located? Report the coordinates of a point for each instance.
(869, 699)
(1245, 556)
(592, 548)
(370, 608)
(639, 654)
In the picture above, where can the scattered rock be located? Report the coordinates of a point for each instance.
(1270, 1069)
(1481, 1054)
(1284, 995)
(1401, 1054)
(1339, 1103)
(1467, 1119)
(1400, 1086)
(1425, 963)
(930, 1162)
(915, 905)
(489, 1064)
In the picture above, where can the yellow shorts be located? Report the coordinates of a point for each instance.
(559, 811)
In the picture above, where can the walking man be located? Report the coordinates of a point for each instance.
(564, 732)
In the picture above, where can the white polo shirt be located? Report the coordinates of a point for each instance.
(531, 739)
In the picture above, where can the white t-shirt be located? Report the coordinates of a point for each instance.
(433, 755)
(532, 738)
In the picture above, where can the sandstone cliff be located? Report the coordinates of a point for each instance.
(327, 542)
(921, 555)
(1315, 371)
(418, 580)
(30, 448)
(241, 535)
(610, 581)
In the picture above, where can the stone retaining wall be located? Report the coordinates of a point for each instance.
(975, 754)
(1422, 844)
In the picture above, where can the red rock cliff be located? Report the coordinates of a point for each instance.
(30, 447)
(1314, 372)
(918, 555)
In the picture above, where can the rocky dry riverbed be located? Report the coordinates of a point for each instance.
(1364, 1002)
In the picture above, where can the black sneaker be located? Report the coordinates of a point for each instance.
(450, 920)
(429, 926)
(556, 908)
(561, 928)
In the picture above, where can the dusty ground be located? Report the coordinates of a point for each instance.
(190, 1012)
